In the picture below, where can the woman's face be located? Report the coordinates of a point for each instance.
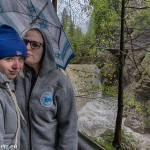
(10, 66)
(34, 55)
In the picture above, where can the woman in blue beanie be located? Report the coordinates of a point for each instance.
(12, 55)
(46, 98)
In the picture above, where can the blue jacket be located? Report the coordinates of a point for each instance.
(49, 107)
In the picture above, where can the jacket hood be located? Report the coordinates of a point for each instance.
(4, 79)
(48, 60)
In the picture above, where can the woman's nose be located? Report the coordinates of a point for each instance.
(28, 46)
(16, 64)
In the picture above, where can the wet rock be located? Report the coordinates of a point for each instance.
(136, 125)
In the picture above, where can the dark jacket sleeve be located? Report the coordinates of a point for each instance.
(67, 120)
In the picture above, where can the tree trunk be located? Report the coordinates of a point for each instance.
(117, 134)
(55, 4)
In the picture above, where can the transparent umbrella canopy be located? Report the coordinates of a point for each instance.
(26, 14)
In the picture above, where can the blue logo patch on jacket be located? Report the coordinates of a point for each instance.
(46, 99)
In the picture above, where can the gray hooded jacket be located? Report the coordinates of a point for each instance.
(8, 116)
(49, 107)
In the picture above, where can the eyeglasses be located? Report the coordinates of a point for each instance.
(34, 44)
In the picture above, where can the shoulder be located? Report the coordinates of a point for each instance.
(58, 79)
(3, 93)
(62, 78)
(3, 96)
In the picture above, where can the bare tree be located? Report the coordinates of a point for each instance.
(117, 135)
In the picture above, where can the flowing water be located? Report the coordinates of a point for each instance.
(98, 116)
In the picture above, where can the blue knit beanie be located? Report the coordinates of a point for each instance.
(10, 43)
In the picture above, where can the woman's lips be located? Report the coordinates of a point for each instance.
(13, 72)
(29, 55)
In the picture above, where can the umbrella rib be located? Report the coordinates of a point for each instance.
(27, 6)
(33, 8)
(21, 5)
(36, 18)
(51, 35)
(50, 32)
(50, 23)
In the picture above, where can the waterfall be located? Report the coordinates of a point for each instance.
(95, 113)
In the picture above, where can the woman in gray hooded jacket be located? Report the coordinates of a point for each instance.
(46, 99)
(12, 55)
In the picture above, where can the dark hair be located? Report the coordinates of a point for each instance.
(36, 29)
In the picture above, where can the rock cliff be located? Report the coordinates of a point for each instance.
(136, 87)
(137, 81)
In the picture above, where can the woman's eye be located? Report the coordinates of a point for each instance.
(9, 59)
(21, 59)
(34, 44)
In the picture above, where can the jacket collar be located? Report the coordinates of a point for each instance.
(4, 79)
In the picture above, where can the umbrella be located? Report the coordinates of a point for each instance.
(26, 14)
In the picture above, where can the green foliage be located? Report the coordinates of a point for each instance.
(73, 32)
(65, 19)
(104, 23)
(105, 140)
(148, 109)
(102, 31)
(129, 99)
(138, 18)
(110, 91)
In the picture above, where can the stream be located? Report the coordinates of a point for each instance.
(99, 115)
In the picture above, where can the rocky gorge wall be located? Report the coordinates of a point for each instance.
(137, 78)
(136, 87)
